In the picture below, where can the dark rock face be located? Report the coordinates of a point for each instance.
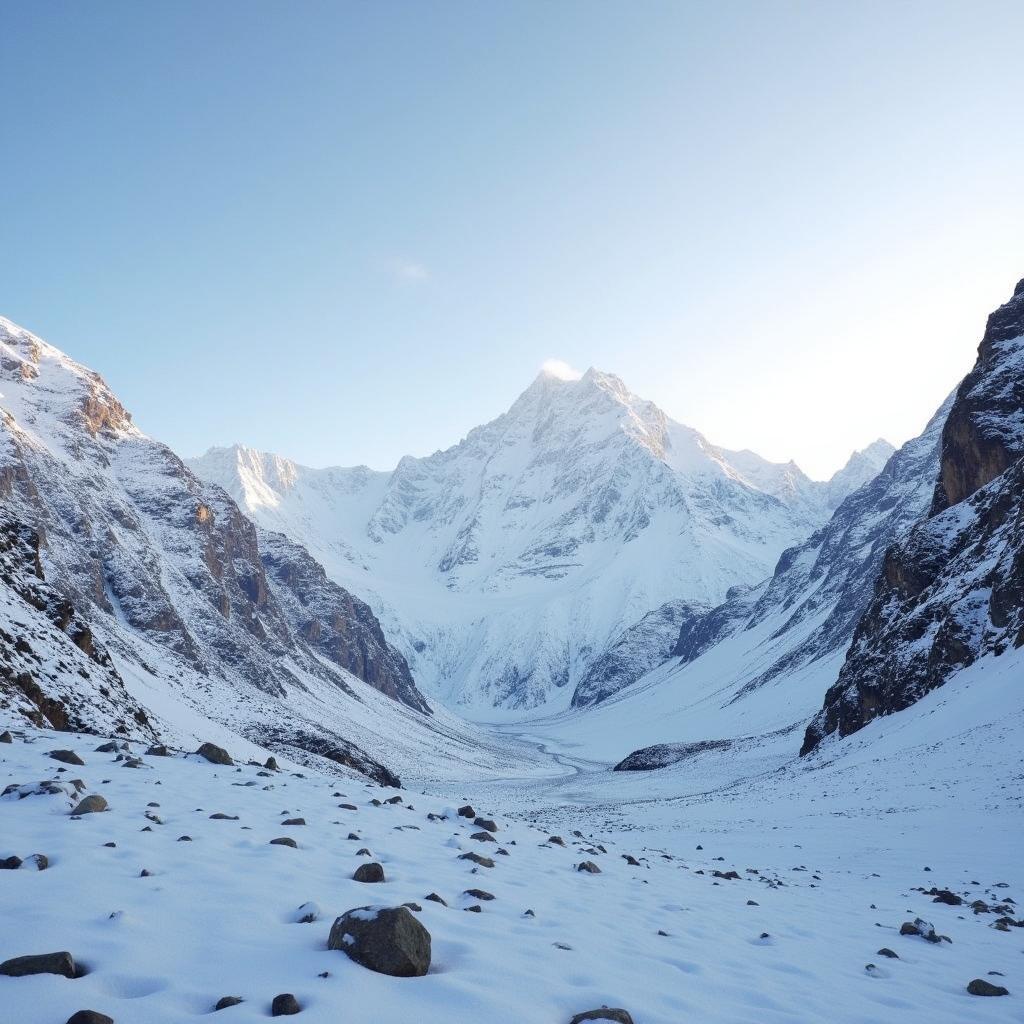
(333, 749)
(78, 690)
(386, 940)
(661, 755)
(984, 434)
(636, 651)
(89, 1017)
(333, 622)
(44, 963)
(953, 589)
(135, 543)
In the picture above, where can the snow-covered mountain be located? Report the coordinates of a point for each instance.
(175, 602)
(505, 565)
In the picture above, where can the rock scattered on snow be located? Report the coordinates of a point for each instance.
(369, 872)
(91, 805)
(981, 987)
(214, 754)
(620, 1016)
(387, 940)
(66, 757)
(62, 963)
(284, 1005)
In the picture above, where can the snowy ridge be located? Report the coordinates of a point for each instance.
(506, 565)
(170, 579)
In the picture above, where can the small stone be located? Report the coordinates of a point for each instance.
(467, 812)
(62, 963)
(485, 823)
(271, 764)
(559, 841)
(981, 987)
(184, 839)
(753, 903)
(631, 860)
(6, 737)
(145, 873)
(348, 807)
(284, 1005)
(89, 1017)
(225, 1001)
(91, 805)
(885, 951)
(11, 863)
(221, 816)
(589, 866)
(158, 750)
(41, 861)
(393, 800)
(475, 909)
(484, 862)
(66, 756)
(214, 754)
(483, 837)
(434, 898)
(307, 913)
(294, 821)
(370, 872)
(285, 841)
(479, 894)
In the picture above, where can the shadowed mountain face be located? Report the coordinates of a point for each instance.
(953, 589)
(145, 550)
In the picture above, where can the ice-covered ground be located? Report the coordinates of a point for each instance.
(830, 855)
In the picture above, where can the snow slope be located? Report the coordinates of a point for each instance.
(506, 564)
(832, 856)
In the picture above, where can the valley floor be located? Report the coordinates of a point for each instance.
(831, 856)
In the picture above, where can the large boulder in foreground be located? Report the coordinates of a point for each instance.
(388, 940)
(62, 963)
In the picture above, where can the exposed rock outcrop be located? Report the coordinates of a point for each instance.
(953, 589)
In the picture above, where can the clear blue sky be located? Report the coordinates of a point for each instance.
(347, 231)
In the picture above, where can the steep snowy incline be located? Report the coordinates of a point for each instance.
(507, 564)
(192, 616)
(809, 608)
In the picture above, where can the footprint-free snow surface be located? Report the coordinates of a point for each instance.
(758, 898)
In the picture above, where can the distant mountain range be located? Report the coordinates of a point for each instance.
(505, 566)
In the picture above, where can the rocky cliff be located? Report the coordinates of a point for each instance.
(953, 589)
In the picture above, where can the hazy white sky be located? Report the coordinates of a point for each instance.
(346, 232)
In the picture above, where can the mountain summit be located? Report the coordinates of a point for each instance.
(503, 565)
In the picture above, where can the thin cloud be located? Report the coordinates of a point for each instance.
(408, 270)
(561, 369)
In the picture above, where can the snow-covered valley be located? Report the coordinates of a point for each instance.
(740, 747)
(832, 858)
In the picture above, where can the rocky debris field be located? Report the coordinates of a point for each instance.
(146, 886)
